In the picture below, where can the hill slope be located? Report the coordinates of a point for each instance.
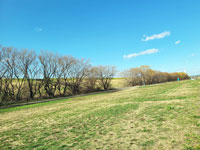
(164, 116)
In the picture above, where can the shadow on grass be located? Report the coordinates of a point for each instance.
(56, 99)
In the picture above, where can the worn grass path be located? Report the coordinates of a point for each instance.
(165, 116)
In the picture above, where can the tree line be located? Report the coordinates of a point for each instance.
(24, 75)
(144, 75)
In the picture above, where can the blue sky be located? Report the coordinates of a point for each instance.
(124, 33)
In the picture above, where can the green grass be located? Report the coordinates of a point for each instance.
(163, 116)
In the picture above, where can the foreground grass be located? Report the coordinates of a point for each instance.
(165, 116)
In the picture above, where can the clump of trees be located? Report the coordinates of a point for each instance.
(144, 75)
(24, 75)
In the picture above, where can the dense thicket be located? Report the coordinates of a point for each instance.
(24, 75)
(144, 75)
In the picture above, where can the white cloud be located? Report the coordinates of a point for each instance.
(178, 42)
(156, 36)
(38, 29)
(149, 51)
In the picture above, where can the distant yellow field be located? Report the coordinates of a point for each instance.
(119, 83)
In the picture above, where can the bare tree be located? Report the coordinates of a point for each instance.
(66, 62)
(49, 64)
(3, 71)
(30, 68)
(144, 73)
(105, 75)
(77, 73)
(13, 77)
(91, 79)
(9, 75)
(132, 76)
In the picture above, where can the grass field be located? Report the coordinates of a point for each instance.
(163, 116)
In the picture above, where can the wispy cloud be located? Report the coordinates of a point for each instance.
(178, 42)
(156, 36)
(38, 29)
(193, 54)
(148, 51)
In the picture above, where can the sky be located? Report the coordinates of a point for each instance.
(164, 34)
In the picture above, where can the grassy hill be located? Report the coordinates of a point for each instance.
(162, 116)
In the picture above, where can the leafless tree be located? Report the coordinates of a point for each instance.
(65, 63)
(132, 76)
(13, 77)
(77, 73)
(30, 68)
(105, 75)
(3, 71)
(91, 79)
(144, 73)
(49, 63)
